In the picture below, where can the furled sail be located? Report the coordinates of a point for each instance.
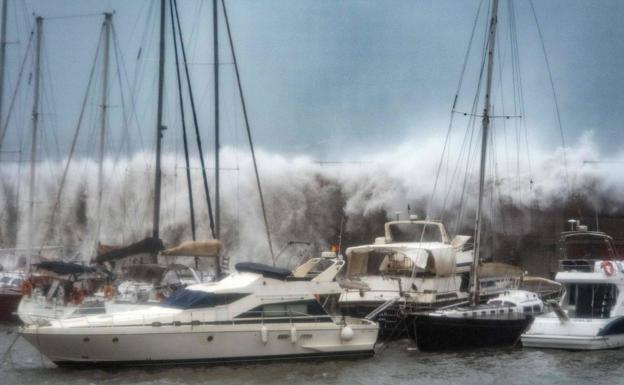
(208, 248)
(148, 245)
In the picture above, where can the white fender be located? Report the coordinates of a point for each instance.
(293, 334)
(264, 334)
(346, 333)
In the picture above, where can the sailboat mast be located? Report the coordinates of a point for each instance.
(215, 35)
(2, 53)
(159, 127)
(484, 138)
(105, 65)
(35, 128)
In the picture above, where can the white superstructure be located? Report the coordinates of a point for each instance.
(590, 315)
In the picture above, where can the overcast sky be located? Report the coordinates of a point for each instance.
(327, 78)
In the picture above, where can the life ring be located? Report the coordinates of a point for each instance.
(77, 296)
(608, 268)
(109, 291)
(26, 288)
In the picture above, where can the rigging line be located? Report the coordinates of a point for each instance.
(119, 56)
(125, 137)
(556, 100)
(48, 95)
(450, 126)
(16, 90)
(182, 118)
(522, 108)
(253, 154)
(195, 122)
(57, 202)
(469, 130)
(475, 104)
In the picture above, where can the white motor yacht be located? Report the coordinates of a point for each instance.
(257, 313)
(418, 267)
(590, 315)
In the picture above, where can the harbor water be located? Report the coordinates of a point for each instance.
(396, 363)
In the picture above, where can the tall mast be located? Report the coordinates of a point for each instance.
(484, 138)
(105, 64)
(159, 127)
(2, 52)
(215, 35)
(35, 127)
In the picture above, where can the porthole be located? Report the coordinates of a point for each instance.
(209, 338)
(115, 340)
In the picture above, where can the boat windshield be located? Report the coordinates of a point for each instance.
(194, 299)
(415, 232)
(591, 300)
(586, 248)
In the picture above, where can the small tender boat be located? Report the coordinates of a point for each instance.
(257, 313)
(590, 316)
(500, 322)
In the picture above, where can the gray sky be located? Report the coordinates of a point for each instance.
(325, 78)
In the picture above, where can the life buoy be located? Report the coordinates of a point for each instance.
(77, 296)
(608, 268)
(26, 288)
(109, 291)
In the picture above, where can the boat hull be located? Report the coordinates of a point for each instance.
(573, 342)
(435, 333)
(148, 345)
(9, 301)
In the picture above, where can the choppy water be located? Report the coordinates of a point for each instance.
(396, 364)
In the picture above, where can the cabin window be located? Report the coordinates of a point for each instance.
(527, 309)
(588, 249)
(415, 232)
(286, 309)
(589, 300)
(537, 308)
(194, 299)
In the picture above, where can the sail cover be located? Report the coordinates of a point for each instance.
(208, 248)
(148, 245)
(64, 268)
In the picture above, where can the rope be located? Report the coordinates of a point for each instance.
(15, 91)
(8, 351)
(554, 92)
(182, 118)
(57, 202)
(450, 126)
(253, 154)
(195, 123)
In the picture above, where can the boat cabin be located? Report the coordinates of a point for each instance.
(584, 244)
(414, 231)
(592, 287)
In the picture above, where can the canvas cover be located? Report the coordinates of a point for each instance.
(372, 259)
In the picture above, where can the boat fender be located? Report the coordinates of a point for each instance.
(293, 334)
(608, 268)
(346, 333)
(26, 288)
(77, 296)
(109, 291)
(264, 334)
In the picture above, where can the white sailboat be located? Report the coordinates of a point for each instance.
(503, 319)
